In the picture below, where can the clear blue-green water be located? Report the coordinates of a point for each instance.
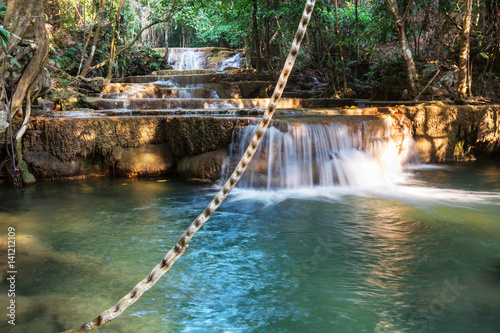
(422, 256)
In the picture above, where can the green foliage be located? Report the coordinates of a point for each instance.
(139, 61)
(4, 33)
(4, 36)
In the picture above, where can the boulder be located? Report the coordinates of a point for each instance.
(204, 167)
(89, 86)
(448, 80)
(44, 165)
(444, 133)
(428, 70)
(65, 100)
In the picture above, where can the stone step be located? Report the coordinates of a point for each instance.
(213, 103)
(215, 78)
(163, 93)
(226, 86)
(280, 114)
(168, 72)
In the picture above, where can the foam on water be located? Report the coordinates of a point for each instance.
(416, 195)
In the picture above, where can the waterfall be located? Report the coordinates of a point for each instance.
(310, 155)
(183, 59)
(233, 62)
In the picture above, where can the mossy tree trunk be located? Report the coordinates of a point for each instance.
(25, 19)
(116, 29)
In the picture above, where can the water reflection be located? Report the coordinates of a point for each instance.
(342, 259)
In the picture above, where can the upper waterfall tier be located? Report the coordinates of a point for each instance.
(226, 85)
(215, 58)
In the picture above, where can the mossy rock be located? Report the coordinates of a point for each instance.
(66, 100)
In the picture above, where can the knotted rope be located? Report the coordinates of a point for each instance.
(182, 244)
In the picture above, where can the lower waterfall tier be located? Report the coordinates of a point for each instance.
(322, 154)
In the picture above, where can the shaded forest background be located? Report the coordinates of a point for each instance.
(361, 47)
(353, 44)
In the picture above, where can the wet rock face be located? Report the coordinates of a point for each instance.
(237, 84)
(193, 147)
(446, 133)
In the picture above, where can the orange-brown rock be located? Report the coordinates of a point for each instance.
(205, 167)
(450, 132)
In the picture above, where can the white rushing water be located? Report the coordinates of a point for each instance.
(320, 155)
(233, 62)
(186, 59)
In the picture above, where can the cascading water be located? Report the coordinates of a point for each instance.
(324, 155)
(188, 59)
(233, 62)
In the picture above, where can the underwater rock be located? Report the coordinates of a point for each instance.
(204, 167)
(150, 160)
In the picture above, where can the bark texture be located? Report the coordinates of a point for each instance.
(464, 81)
(26, 21)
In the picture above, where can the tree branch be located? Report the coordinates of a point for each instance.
(453, 21)
(410, 4)
(128, 46)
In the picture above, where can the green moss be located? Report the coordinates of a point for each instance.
(459, 146)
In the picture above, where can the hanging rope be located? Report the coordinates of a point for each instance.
(182, 244)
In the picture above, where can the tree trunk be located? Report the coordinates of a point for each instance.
(24, 21)
(356, 29)
(403, 42)
(337, 31)
(88, 62)
(125, 48)
(84, 50)
(330, 59)
(463, 85)
(183, 44)
(268, 46)
(248, 56)
(256, 39)
(112, 51)
(167, 30)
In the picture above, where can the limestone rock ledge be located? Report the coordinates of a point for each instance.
(445, 133)
(64, 148)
